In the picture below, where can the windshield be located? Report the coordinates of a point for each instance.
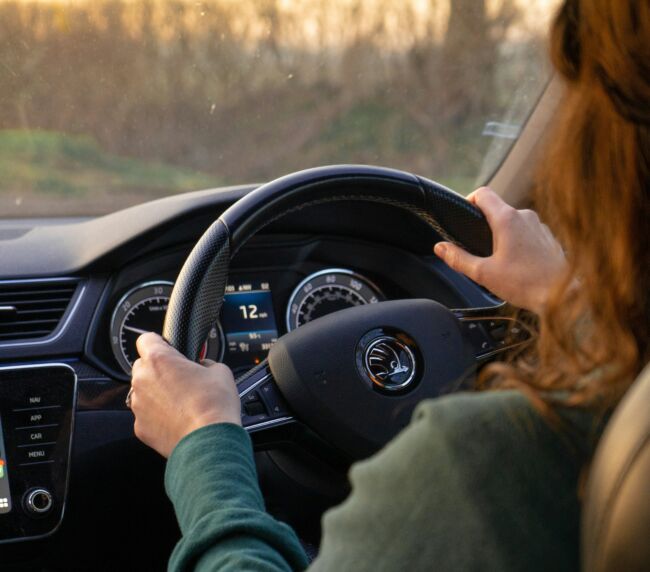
(109, 103)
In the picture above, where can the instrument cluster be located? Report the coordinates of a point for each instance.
(249, 324)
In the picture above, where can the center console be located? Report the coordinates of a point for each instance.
(36, 421)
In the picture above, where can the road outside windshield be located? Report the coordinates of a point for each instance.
(109, 103)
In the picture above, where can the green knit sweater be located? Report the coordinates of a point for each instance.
(476, 482)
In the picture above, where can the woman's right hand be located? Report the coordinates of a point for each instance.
(526, 260)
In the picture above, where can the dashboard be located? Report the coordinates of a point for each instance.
(276, 284)
(118, 273)
(248, 326)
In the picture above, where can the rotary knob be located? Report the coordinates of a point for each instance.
(38, 501)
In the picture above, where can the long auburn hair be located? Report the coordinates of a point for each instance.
(594, 192)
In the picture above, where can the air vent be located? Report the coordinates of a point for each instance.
(33, 309)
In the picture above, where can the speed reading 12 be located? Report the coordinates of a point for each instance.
(252, 312)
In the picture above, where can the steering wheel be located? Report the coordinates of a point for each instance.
(354, 376)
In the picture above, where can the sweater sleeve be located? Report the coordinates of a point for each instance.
(476, 482)
(212, 482)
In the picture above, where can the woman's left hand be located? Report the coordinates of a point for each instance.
(173, 396)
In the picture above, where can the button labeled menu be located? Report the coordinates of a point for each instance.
(29, 455)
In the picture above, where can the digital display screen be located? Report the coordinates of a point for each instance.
(249, 322)
(5, 495)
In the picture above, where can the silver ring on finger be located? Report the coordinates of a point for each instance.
(127, 401)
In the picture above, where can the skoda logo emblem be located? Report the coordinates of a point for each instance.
(389, 363)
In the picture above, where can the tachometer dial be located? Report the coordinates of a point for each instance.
(328, 291)
(143, 310)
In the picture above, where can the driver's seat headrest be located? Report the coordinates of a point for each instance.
(616, 513)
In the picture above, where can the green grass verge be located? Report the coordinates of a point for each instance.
(74, 165)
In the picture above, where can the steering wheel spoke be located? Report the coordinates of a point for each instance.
(263, 406)
(493, 330)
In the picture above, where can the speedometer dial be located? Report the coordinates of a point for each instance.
(328, 291)
(143, 310)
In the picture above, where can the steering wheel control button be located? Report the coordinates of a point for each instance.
(478, 337)
(499, 333)
(388, 360)
(492, 335)
(38, 501)
(252, 408)
(274, 401)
